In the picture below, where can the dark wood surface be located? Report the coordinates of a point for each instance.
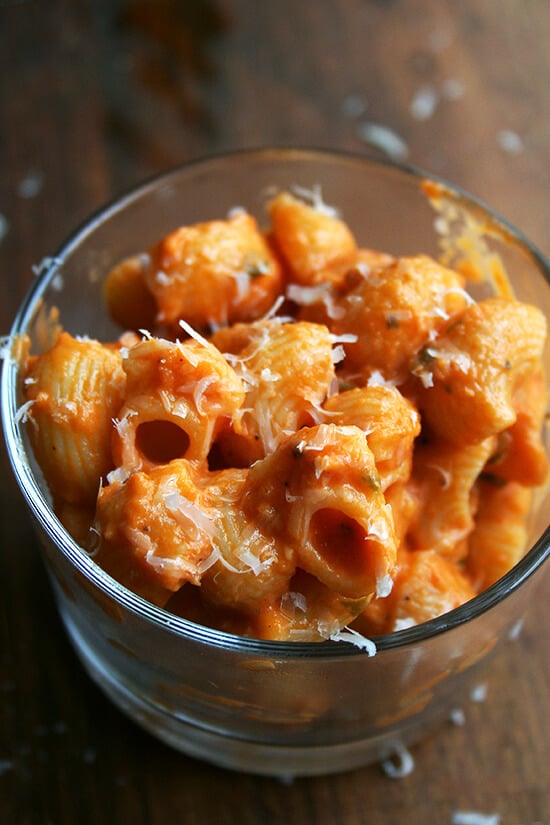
(96, 96)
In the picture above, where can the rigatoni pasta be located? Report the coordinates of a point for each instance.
(296, 437)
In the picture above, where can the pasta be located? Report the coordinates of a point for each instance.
(339, 442)
(228, 259)
(75, 389)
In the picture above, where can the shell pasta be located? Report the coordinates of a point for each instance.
(296, 437)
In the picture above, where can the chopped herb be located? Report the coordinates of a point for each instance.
(426, 356)
(355, 606)
(371, 481)
(255, 268)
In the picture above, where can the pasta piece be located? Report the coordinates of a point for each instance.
(73, 391)
(311, 239)
(475, 366)
(390, 422)
(343, 276)
(287, 370)
(214, 273)
(307, 612)
(177, 397)
(231, 340)
(405, 499)
(250, 567)
(521, 455)
(500, 536)
(127, 298)
(155, 533)
(320, 493)
(447, 475)
(393, 311)
(427, 585)
(78, 521)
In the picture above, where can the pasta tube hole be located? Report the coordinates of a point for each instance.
(340, 541)
(161, 441)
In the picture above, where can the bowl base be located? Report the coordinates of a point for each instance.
(244, 755)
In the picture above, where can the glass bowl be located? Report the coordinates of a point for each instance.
(270, 707)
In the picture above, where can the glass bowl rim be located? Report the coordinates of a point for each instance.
(82, 561)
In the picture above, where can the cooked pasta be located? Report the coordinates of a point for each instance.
(426, 586)
(314, 243)
(155, 534)
(393, 310)
(75, 389)
(287, 370)
(474, 366)
(498, 542)
(446, 477)
(213, 273)
(320, 492)
(313, 440)
(178, 395)
(389, 421)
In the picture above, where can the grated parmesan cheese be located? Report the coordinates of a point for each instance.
(22, 415)
(118, 476)
(510, 142)
(457, 717)
(122, 425)
(338, 354)
(354, 106)
(347, 634)
(188, 513)
(162, 563)
(403, 624)
(194, 334)
(45, 264)
(474, 818)
(376, 379)
(515, 631)
(479, 692)
(424, 102)
(384, 585)
(162, 278)
(292, 602)
(31, 184)
(399, 764)
(384, 138)
(314, 197)
(307, 295)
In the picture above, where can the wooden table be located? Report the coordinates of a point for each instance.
(95, 96)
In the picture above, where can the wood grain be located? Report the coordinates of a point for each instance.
(96, 96)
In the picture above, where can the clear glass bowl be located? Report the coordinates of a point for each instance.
(268, 707)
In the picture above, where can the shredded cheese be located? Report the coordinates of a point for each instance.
(474, 818)
(457, 717)
(347, 634)
(22, 416)
(479, 692)
(384, 585)
(399, 764)
(314, 197)
(187, 513)
(292, 602)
